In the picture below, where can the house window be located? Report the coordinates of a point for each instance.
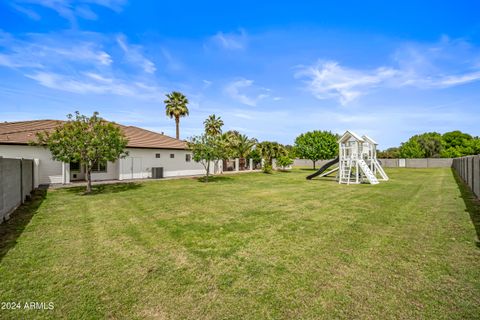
(188, 157)
(99, 167)
(74, 166)
(157, 155)
(172, 155)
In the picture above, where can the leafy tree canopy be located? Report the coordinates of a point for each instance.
(86, 140)
(433, 145)
(426, 145)
(316, 145)
(206, 149)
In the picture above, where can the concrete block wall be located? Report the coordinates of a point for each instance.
(468, 168)
(308, 163)
(418, 163)
(389, 163)
(16, 183)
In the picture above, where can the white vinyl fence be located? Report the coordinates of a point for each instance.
(16, 184)
(468, 168)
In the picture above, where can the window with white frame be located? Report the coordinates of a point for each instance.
(99, 167)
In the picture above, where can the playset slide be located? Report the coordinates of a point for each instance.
(323, 168)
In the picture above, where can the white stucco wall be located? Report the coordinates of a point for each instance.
(111, 174)
(49, 171)
(144, 160)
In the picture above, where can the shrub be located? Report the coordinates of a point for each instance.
(267, 167)
(283, 162)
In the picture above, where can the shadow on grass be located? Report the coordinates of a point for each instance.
(213, 179)
(471, 202)
(308, 169)
(105, 188)
(11, 230)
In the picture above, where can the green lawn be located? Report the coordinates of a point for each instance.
(250, 246)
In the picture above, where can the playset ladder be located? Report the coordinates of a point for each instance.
(346, 172)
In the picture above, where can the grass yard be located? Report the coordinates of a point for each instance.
(250, 246)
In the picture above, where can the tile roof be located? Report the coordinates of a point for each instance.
(23, 132)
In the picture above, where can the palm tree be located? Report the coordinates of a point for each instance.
(243, 146)
(271, 150)
(176, 107)
(213, 125)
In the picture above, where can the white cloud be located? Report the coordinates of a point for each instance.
(67, 9)
(40, 50)
(26, 11)
(133, 54)
(231, 41)
(206, 83)
(445, 64)
(76, 62)
(92, 83)
(10, 62)
(171, 62)
(330, 80)
(243, 91)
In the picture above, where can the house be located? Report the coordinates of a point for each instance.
(150, 154)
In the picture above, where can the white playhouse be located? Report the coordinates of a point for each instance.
(358, 160)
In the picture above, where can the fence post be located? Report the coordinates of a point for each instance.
(21, 181)
(2, 200)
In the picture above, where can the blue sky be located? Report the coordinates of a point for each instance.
(271, 70)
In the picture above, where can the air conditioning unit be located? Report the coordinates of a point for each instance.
(157, 173)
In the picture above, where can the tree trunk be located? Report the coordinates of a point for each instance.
(208, 171)
(313, 164)
(177, 124)
(89, 179)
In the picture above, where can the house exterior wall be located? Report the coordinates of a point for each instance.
(110, 174)
(48, 170)
(143, 160)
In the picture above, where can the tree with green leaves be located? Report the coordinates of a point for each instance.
(390, 153)
(255, 156)
(206, 149)
(316, 145)
(458, 144)
(425, 145)
(411, 149)
(85, 140)
(284, 162)
(176, 106)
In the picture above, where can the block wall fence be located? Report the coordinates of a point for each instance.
(16, 184)
(468, 168)
(390, 163)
